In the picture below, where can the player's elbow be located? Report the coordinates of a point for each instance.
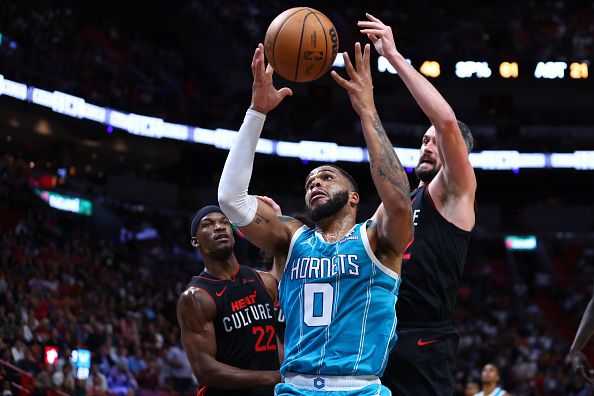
(229, 203)
(404, 209)
(399, 208)
(225, 197)
(206, 376)
(447, 123)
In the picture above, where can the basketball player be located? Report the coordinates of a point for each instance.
(471, 389)
(490, 379)
(226, 315)
(578, 359)
(423, 361)
(341, 279)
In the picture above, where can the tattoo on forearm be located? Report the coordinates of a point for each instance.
(387, 166)
(260, 219)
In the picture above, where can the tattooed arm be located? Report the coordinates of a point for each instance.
(393, 227)
(453, 188)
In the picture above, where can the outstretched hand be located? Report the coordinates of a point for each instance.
(380, 35)
(360, 85)
(582, 366)
(264, 96)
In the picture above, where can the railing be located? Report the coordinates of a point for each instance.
(27, 380)
(27, 384)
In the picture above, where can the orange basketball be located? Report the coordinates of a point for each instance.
(301, 44)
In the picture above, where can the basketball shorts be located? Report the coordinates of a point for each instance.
(423, 361)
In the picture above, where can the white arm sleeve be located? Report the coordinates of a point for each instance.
(239, 207)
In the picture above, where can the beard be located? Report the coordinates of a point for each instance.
(425, 175)
(329, 208)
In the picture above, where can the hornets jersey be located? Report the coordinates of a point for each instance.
(338, 301)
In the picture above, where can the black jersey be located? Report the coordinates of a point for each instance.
(432, 264)
(280, 322)
(244, 325)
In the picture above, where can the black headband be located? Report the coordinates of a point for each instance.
(199, 215)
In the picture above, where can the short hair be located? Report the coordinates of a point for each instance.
(494, 366)
(467, 135)
(344, 173)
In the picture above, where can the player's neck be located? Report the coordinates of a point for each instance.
(222, 269)
(488, 389)
(335, 227)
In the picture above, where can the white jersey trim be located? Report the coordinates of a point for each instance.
(372, 256)
(496, 392)
(296, 235)
(323, 383)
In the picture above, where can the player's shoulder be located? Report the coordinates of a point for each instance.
(269, 281)
(266, 276)
(292, 223)
(196, 301)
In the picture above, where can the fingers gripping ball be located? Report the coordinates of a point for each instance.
(301, 44)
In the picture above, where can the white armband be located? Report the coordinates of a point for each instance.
(239, 207)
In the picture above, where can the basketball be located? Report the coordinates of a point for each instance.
(301, 44)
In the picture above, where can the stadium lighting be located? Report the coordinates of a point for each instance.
(508, 69)
(466, 69)
(384, 66)
(550, 70)
(66, 203)
(578, 70)
(430, 69)
(517, 242)
(219, 138)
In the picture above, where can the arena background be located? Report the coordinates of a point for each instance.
(107, 280)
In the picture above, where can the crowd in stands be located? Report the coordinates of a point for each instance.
(524, 322)
(188, 63)
(63, 285)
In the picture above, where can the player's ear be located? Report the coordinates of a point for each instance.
(354, 199)
(194, 242)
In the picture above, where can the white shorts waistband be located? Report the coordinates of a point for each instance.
(330, 383)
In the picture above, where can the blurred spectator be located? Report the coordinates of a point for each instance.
(96, 383)
(64, 379)
(136, 362)
(179, 367)
(29, 363)
(148, 378)
(120, 381)
(44, 380)
(18, 351)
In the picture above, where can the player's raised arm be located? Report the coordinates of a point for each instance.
(578, 359)
(256, 220)
(457, 177)
(394, 222)
(195, 314)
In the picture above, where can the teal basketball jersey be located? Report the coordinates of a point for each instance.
(339, 304)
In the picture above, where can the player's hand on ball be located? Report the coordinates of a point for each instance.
(360, 85)
(264, 96)
(380, 35)
(582, 366)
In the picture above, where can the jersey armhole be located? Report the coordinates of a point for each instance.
(374, 259)
(296, 235)
(207, 292)
(452, 225)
